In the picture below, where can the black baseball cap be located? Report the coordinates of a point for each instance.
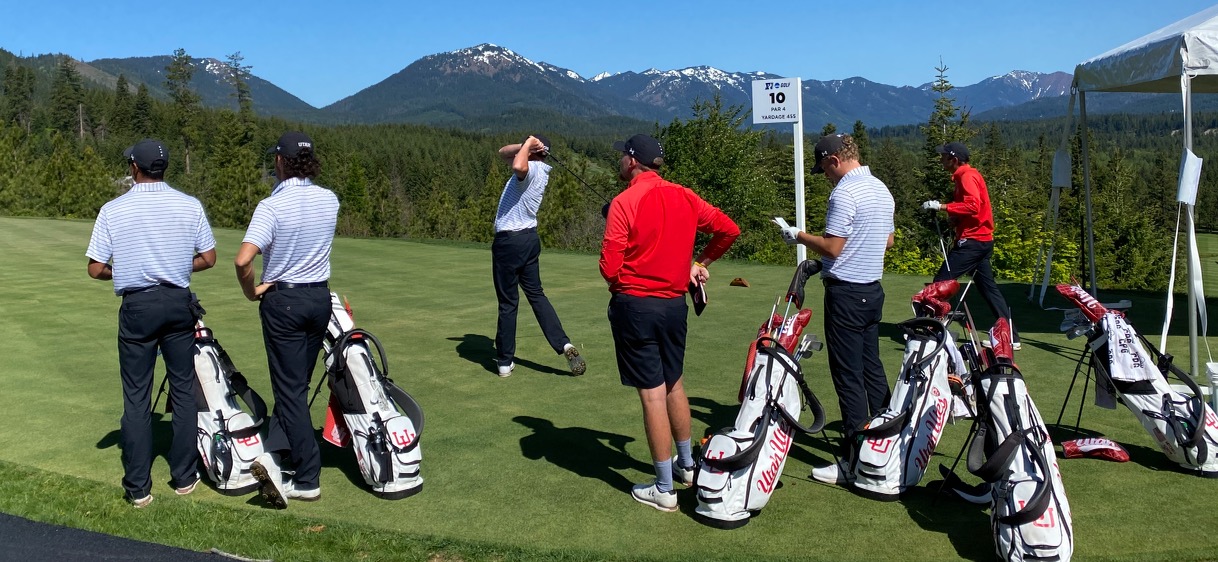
(642, 148)
(954, 149)
(291, 144)
(827, 145)
(148, 155)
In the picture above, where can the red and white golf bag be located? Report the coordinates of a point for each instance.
(898, 443)
(740, 466)
(1012, 451)
(368, 411)
(1129, 366)
(229, 437)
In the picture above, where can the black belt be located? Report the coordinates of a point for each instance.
(832, 282)
(280, 285)
(511, 233)
(148, 289)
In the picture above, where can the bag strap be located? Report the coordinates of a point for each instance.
(410, 409)
(770, 347)
(746, 456)
(1039, 502)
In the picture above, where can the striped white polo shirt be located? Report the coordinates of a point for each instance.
(294, 228)
(861, 211)
(152, 234)
(521, 198)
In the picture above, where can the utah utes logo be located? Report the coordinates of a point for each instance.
(881, 446)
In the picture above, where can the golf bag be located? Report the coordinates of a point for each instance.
(368, 411)
(1130, 367)
(1012, 452)
(740, 466)
(896, 446)
(229, 438)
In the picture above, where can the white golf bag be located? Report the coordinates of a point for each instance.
(1130, 367)
(740, 465)
(898, 443)
(368, 411)
(229, 438)
(1012, 451)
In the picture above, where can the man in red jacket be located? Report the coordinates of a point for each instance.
(645, 258)
(970, 212)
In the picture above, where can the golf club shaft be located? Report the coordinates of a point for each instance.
(581, 180)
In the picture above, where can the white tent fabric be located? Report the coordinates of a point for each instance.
(1155, 62)
(1180, 58)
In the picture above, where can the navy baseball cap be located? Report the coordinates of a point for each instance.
(826, 146)
(291, 144)
(148, 155)
(642, 148)
(954, 149)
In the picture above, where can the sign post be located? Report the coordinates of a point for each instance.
(780, 100)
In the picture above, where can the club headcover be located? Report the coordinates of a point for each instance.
(698, 292)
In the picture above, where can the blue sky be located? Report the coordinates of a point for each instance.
(322, 51)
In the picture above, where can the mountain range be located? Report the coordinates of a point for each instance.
(488, 84)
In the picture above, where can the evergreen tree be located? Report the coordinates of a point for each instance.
(141, 113)
(122, 112)
(185, 100)
(828, 129)
(863, 141)
(238, 77)
(942, 127)
(19, 96)
(67, 99)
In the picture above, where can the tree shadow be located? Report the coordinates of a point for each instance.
(967, 525)
(480, 350)
(586, 452)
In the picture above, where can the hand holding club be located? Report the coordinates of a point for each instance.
(932, 206)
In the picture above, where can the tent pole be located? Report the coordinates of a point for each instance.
(1194, 360)
(1090, 223)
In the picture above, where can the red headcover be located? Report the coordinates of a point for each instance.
(788, 340)
(935, 295)
(1000, 337)
(1082, 299)
(1096, 448)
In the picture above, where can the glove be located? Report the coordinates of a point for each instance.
(932, 206)
(790, 234)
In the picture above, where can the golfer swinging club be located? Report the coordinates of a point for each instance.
(515, 253)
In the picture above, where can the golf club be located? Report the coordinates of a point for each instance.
(550, 155)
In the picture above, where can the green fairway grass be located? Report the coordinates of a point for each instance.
(537, 465)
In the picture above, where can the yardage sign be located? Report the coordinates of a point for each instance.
(776, 100)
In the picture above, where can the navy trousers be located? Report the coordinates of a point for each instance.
(852, 334)
(162, 318)
(514, 256)
(972, 257)
(293, 325)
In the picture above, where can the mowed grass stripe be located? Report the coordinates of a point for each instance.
(540, 462)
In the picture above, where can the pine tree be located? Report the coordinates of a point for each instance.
(19, 96)
(185, 100)
(141, 113)
(122, 111)
(828, 129)
(863, 142)
(942, 127)
(238, 77)
(67, 98)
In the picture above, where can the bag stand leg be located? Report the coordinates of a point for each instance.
(1078, 420)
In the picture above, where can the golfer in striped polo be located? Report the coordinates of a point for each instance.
(858, 230)
(293, 230)
(148, 241)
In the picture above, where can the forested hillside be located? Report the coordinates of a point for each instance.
(62, 139)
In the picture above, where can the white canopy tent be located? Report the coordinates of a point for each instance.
(1183, 58)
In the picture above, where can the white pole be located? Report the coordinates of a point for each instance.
(1082, 112)
(1194, 360)
(801, 251)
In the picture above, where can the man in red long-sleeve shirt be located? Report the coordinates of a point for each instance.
(645, 258)
(973, 217)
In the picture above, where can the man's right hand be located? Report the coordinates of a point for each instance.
(932, 206)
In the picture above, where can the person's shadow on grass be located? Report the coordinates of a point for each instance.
(586, 452)
(479, 349)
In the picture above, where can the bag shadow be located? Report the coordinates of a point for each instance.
(586, 452)
(967, 525)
